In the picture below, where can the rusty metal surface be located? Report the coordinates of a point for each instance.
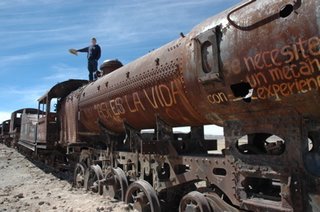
(5, 128)
(140, 89)
(61, 90)
(279, 59)
(28, 131)
(276, 56)
(109, 66)
(1, 140)
(253, 69)
(48, 132)
(68, 116)
(15, 123)
(5, 137)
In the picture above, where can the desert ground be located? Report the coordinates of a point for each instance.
(30, 186)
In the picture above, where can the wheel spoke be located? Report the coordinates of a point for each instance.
(79, 173)
(116, 183)
(143, 197)
(92, 179)
(194, 202)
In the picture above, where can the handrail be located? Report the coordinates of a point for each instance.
(260, 23)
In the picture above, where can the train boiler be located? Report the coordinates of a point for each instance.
(253, 70)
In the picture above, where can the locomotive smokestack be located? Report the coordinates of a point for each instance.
(109, 66)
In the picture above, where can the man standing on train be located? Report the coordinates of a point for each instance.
(93, 55)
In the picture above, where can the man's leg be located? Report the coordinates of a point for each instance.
(91, 70)
(95, 68)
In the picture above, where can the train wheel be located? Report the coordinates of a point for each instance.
(93, 178)
(142, 197)
(218, 204)
(79, 175)
(116, 183)
(194, 202)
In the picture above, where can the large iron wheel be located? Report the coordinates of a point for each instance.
(142, 197)
(194, 202)
(93, 179)
(218, 204)
(116, 183)
(79, 175)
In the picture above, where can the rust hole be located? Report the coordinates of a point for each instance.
(181, 168)
(286, 11)
(157, 61)
(261, 144)
(263, 188)
(164, 172)
(219, 171)
(243, 90)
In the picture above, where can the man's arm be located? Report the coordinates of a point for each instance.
(83, 50)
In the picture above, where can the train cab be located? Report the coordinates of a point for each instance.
(1, 140)
(5, 132)
(50, 103)
(15, 123)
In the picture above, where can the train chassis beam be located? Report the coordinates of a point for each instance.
(262, 174)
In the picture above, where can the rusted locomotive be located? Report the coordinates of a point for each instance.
(4, 137)
(11, 129)
(16, 124)
(253, 69)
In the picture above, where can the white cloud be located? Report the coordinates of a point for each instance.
(27, 97)
(8, 60)
(139, 21)
(5, 4)
(62, 72)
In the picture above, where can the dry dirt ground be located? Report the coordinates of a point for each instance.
(26, 187)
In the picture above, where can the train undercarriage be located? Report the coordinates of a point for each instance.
(166, 171)
(251, 70)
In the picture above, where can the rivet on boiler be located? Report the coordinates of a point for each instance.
(157, 61)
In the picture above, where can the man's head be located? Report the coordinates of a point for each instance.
(94, 41)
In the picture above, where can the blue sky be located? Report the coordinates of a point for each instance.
(35, 36)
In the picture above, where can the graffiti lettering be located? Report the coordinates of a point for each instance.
(285, 55)
(131, 108)
(217, 98)
(137, 102)
(152, 100)
(116, 106)
(103, 110)
(286, 73)
(256, 79)
(162, 95)
(314, 44)
(286, 89)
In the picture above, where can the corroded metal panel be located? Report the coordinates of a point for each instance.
(261, 60)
